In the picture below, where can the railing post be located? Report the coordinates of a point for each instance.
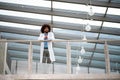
(5, 57)
(30, 51)
(107, 59)
(68, 53)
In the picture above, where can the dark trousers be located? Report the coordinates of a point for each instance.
(46, 56)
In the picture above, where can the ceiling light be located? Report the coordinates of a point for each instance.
(84, 37)
(82, 51)
(80, 60)
(90, 12)
(88, 27)
(77, 69)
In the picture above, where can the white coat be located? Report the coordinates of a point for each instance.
(50, 48)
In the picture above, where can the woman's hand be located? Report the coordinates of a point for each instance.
(45, 37)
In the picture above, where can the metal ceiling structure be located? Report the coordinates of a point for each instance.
(94, 56)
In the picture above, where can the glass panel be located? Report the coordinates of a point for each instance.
(113, 11)
(106, 36)
(98, 61)
(24, 14)
(103, 0)
(18, 53)
(93, 22)
(17, 25)
(77, 21)
(115, 1)
(41, 3)
(75, 34)
(67, 19)
(17, 36)
(111, 25)
(77, 7)
(60, 56)
(114, 57)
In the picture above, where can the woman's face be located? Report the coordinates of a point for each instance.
(46, 30)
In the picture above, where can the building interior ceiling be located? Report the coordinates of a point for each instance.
(22, 20)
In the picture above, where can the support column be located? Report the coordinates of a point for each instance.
(68, 54)
(107, 59)
(3, 51)
(30, 58)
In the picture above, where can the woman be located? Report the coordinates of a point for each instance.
(46, 51)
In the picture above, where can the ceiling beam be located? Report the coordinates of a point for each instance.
(22, 20)
(58, 35)
(57, 12)
(93, 2)
(17, 30)
(59, 25)
(35, 33)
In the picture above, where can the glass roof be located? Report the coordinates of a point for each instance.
(113, 11)
(64, 27)
(77, 21)
(24, 14)
(78, 7)
(108, 36)
(17, 25)
(111, 25)
(41, 3)
(115, 1)
(75, 33)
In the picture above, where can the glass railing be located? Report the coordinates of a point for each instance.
(69, 58)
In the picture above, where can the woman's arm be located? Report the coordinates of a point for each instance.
(41, 37)
(51, 37)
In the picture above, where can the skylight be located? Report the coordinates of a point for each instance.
(77, 21)
(73, 32)
(109, 36)
(59, 5)
(77, 7)
(93, 22)
(24, 14)
(113, 11)
(9, 24)
(111, 25)
(67, 19)
(41, 3)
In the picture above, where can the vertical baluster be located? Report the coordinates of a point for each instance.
(68, 53)
(5, 57)
(107, 59)
(30, 58)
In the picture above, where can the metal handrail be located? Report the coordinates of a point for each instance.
(102, 40)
